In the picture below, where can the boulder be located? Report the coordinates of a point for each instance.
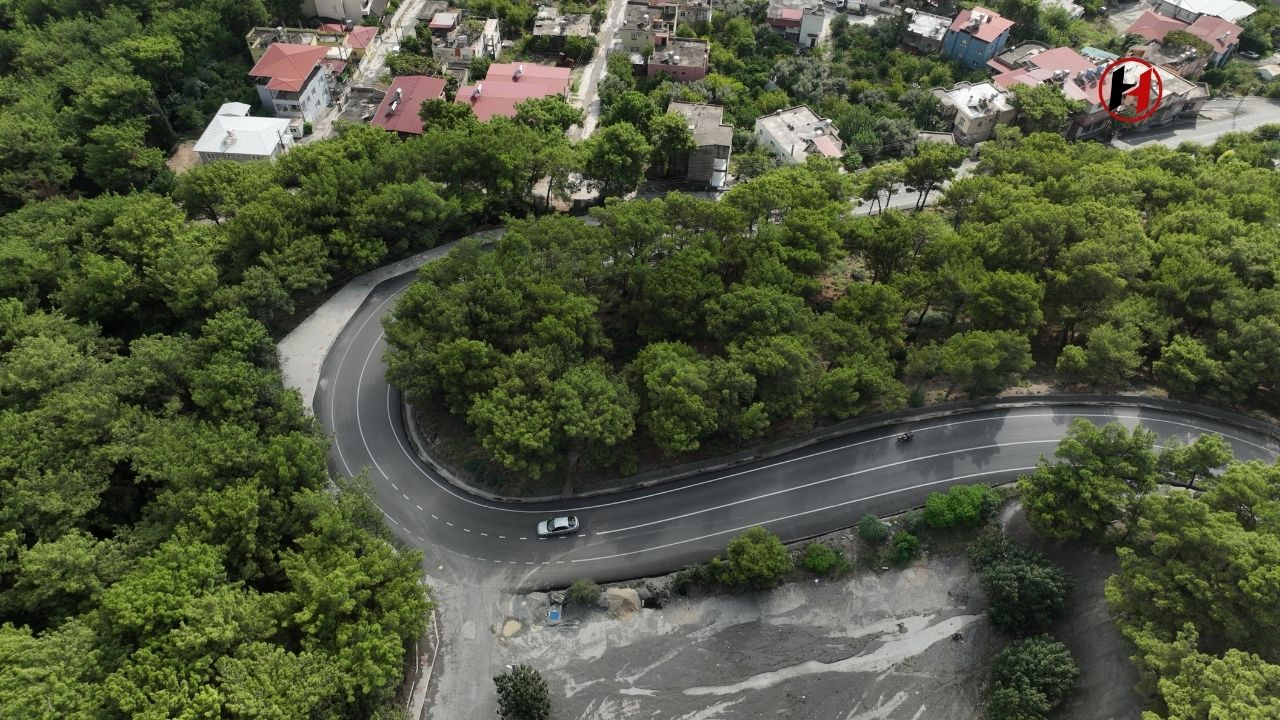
(622, 601)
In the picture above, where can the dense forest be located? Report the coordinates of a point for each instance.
(670, 322)
(1198, 579)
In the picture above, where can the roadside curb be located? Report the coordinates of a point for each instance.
(842, 429)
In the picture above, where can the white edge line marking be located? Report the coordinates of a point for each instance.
(817, 482)
(443, 486)
(337, 374)
(806, 512)
(359, 419)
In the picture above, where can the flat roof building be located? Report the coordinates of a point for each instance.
(925, 31)
(797, 132)
(708, 164)
(684, 59)
(975, 110)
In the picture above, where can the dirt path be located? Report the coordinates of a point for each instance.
(1107, 677)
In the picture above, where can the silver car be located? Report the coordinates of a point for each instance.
(566, 525)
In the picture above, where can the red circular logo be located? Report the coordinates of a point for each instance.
(1130, 89)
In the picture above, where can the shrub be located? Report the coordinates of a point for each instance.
(822, 559)
(690, 577)
(1026, 592)
(904, 549)
(583, 591)
(961, 506)
(1029, 677)
(913, 521)
(872, 529)
(757, 558)
(307, 128)
(522, 694)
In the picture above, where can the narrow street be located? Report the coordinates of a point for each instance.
(586, 97)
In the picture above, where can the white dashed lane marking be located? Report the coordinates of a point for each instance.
(446, 522)
(419, 507)
(484, 534)
(502, 537)
(406, 497)
(466, 529)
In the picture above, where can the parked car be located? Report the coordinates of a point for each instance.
(565, 525)
(1249, 54)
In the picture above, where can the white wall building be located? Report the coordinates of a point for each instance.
(233, 135)
(796, 133)
(292, 81)
(975, 110)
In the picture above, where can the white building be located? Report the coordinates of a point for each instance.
(293, 82)
(343, 9)
(975, 110)
(233, 135)
(1191, 10)
(796, 133)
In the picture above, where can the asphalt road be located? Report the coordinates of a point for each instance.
(648, 532)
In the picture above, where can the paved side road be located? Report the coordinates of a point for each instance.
(1218, 117)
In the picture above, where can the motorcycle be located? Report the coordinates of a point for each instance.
(906, 437)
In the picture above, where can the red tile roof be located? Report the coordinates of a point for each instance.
(332, 27)
(414, 89)
(334, 64)
(1219, 33)
(1042, 68)
(1154, 26)
(288, 65)
(360, 37)
(992, 25)
(827, 146)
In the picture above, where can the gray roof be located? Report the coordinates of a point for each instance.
(706, 122)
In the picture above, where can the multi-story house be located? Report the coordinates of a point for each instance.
(797, 132)
(459, 41)
(925, 31)
(293, 80)
(800, 21)
(708, 164)
(643, 29)
(976, 36)
(975, 110)
(684, 59)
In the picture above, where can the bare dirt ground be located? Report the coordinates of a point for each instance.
(871, 647)
(1107, 677)
(879, 645)
(183, 158)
